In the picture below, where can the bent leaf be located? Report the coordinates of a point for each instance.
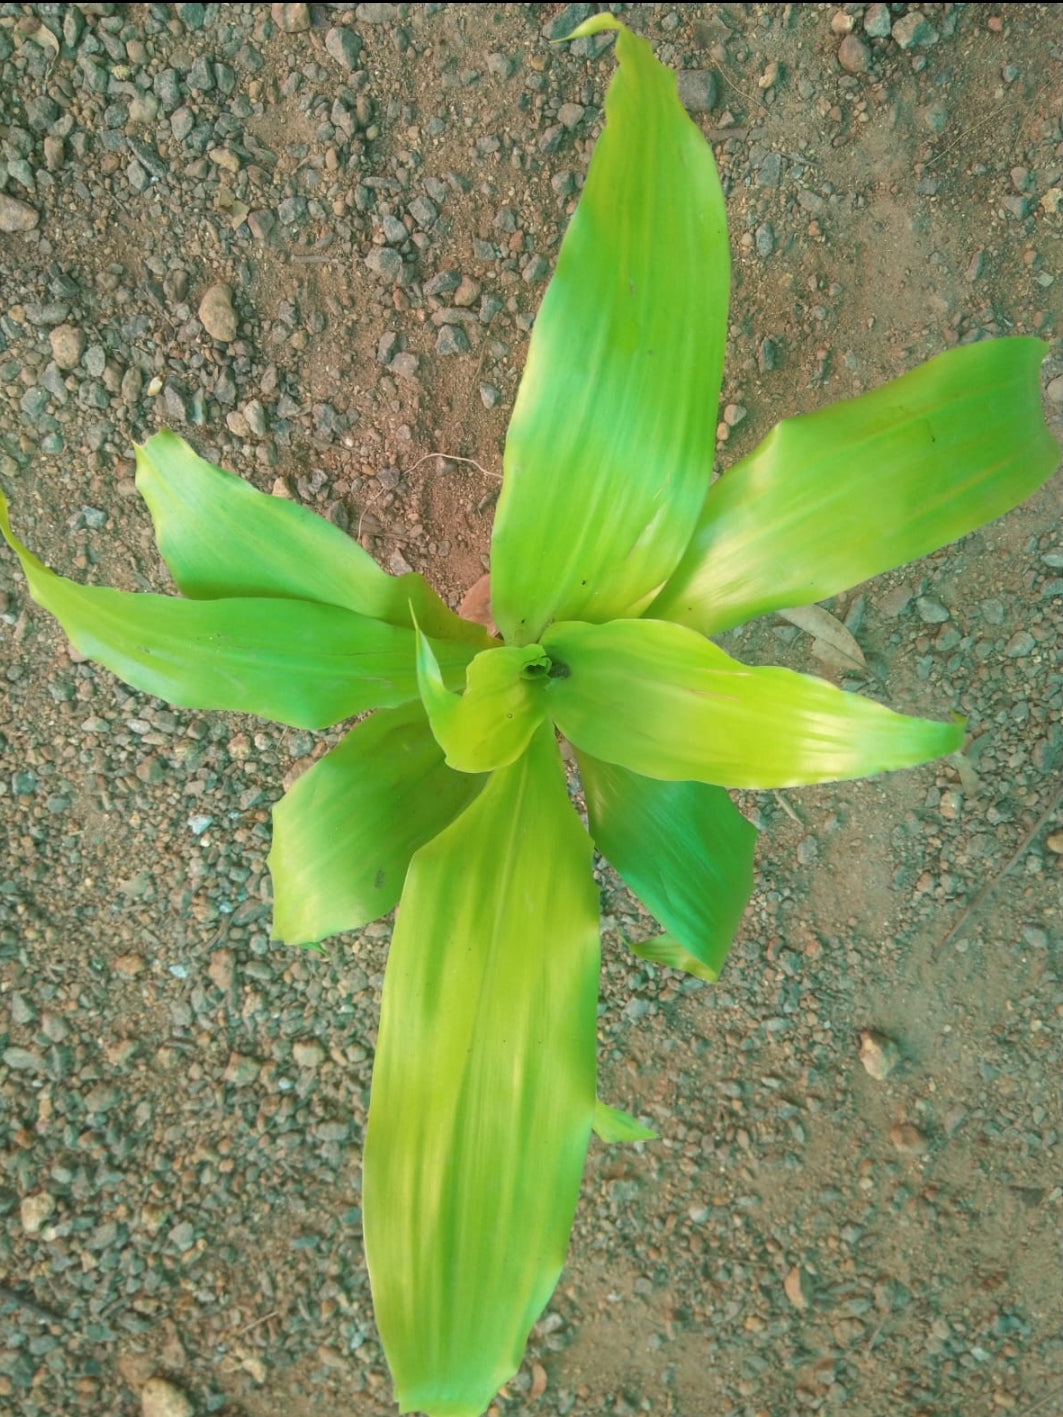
(610, 447)
(831, 498)
(611, 1125)
(661, 700)
(682, 848)
(222, 537)
(344, 833)
(502, 706)
(666, 950)
(291, 661)
(483, 1087)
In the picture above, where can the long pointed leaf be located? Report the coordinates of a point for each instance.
(291, 661)
(609, 451)
(612, 1124)
(832, 498)
(661, 700)
(222, 537)
(344, 833)
(682, 847)
(492, 722)
(483, 1087)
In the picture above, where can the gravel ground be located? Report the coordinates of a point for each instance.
(313, 240)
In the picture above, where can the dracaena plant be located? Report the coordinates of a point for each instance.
(613, 560)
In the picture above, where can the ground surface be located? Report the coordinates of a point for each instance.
(181, 1103)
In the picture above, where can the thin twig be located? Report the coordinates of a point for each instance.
(257, 1323)
(791, 812)
(965, 134)
(753, 102)
(453, 457)
(1041, 1402)
(1015, 857)
(377, 494)
(32, 1305)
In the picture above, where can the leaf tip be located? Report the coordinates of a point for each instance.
(595, 24)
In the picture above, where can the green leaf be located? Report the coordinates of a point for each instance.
(344, 833)
(288, 660)
(666, 950)
(492, 723)
(660, 700)
(682, 848)
(483, 1087)
(831, 498)
(222, 537)
(613, 1125)
(610, 447)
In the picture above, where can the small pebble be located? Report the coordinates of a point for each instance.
(854, 55)
(68, 345)
(158, 1396)
(908, 1139)
(878, 1053)
(35, 1210)
(217, 315)
(16, 215)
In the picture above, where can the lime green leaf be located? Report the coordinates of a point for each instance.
(288, 660)
(483, 1087)
(502, 706)
(611, 1124)
(831, 498)
(666, 950)
(681, 847)
(344, 833)
(660, 700)
(610, 447)
(222, 537)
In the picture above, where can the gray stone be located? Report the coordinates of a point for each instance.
(452, 339)
(192, 15)
(423, 212)
(395, 233)
(217, 314)
(385, 262)
(201, 74)
(931, 611)
(765, 240)
(913, 31)
(769, 170)
(344, 46)
(877, 21)
(166, 87)
(404, 366)
(94, 75)
(41, 112)
(292, 210)
(698, 89)
(1020, 644)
